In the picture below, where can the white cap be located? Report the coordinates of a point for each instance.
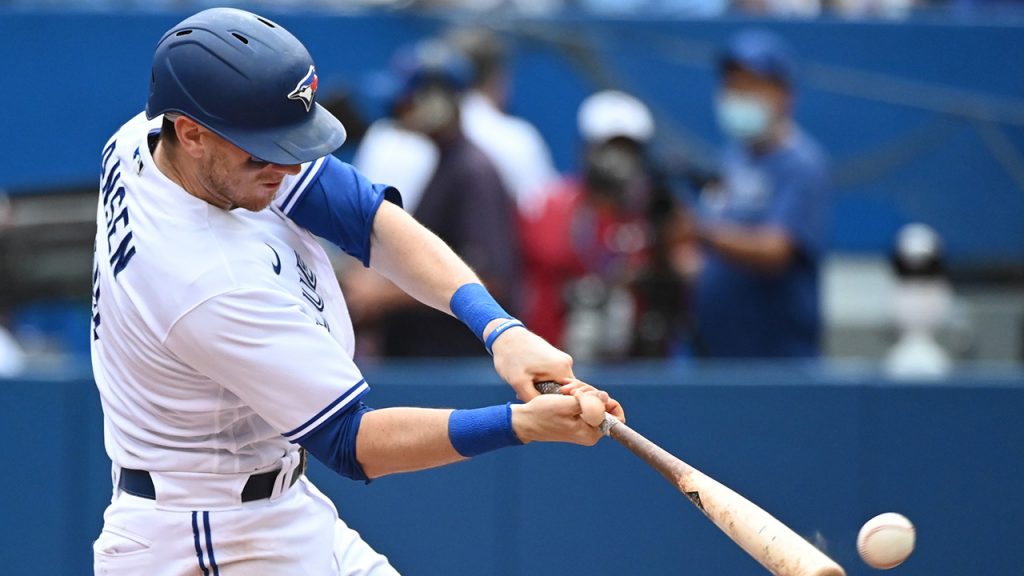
(918, 243)
(610, 113)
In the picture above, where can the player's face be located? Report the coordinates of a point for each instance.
(234, 179)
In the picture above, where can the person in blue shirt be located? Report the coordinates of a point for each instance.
(763, 226)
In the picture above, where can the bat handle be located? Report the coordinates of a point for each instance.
(549, 387)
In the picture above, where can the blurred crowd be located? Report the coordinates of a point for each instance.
(627, 257)
(853, 9)
(618, 260)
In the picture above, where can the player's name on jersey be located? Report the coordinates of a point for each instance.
(120, 248)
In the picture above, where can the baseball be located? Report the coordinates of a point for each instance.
(886, 540)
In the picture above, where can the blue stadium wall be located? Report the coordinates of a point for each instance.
(823, 450)
(924, 120)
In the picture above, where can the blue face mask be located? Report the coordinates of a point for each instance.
(744, 116)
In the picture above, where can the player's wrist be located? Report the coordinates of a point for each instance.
(492, 325)
(500, 327)
(477, 309)
(481, 430)
(521, 423)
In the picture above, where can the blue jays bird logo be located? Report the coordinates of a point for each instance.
(305, 90)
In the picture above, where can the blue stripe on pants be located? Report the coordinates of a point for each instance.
(209, 544)
(199, 549)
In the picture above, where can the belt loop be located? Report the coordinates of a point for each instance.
(289, 464)
(115, 478)
(295, 469)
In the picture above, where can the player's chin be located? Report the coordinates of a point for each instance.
(258, 203)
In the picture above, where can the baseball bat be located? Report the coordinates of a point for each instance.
(770, 542)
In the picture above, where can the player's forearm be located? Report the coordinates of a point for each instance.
(415, 259)
(395, 440)
(768, 249)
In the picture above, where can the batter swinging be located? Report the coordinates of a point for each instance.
(221, 343)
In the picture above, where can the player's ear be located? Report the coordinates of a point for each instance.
(189, 134)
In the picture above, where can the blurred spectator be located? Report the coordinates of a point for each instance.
(463, 202)
(890, 9)
(12, 356)
(514, 146)
(922, 304)
(763, 227)
(700, 8)
(857, 9)
(599, 282)
(782, 8)
(526, 7)
(390, 152)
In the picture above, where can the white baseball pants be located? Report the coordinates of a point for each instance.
(299, 533)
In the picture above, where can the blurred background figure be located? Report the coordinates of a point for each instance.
(780, 8)
(514, 146)
(922, 302)
(525, 7)
(463, 201)
(868, 9)
(390, 151)
(598, 280)
(763, 225)
(679, 8)
(12, 356)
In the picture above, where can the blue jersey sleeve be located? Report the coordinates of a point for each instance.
(801, 205)
(338, 204)
(333, 442)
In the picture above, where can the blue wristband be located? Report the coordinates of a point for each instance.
(473, 432)
(475, 306)
(510, 323)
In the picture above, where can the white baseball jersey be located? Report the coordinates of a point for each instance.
(219, 337)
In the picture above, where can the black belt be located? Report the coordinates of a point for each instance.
(257, 487)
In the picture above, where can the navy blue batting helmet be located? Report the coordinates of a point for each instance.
(247, 79)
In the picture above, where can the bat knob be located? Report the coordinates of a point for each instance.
(547, 387)
(609, 422)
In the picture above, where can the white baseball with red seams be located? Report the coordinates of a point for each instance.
(886, 540)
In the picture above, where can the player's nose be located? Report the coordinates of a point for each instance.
(286, 168)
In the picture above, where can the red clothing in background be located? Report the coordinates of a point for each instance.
(571, 238)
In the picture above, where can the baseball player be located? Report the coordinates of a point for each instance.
(221, 343)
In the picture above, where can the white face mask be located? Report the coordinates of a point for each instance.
(744, 116)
